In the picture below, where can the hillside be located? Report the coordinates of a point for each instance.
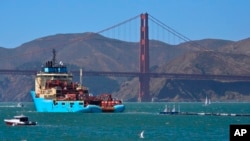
(240, 47)
(197, 62)
(95, 52)
(88, 50)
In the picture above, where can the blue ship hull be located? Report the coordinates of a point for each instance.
(48, 105)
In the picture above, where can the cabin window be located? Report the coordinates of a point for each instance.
(24, 119)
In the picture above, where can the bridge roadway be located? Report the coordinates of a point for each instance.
(138, 74)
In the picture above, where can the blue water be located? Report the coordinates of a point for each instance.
(125, 126)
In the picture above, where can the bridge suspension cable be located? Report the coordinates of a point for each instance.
(169, 29)
(127, 30)
(177, 34)
(88, 36)
(132, 33)
(117, 25)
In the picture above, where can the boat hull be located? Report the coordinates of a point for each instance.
(169, 113)
(49, 105)
(7, 122)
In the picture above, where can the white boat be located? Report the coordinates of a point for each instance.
(19, 104)
(207, 101)
(19, 120)
(142, 135)
(201, 114)
(224, 114)
(167, 111)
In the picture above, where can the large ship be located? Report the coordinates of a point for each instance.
(55, 91)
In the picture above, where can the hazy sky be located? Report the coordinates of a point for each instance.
(25, 20)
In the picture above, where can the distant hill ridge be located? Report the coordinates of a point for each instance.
(95, 52)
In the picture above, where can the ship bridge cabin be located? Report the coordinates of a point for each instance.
(54, 82)
(52, 79)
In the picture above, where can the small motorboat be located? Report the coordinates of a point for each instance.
(19, 120)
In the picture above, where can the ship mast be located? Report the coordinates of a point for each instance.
(81, 76)
(54, 58)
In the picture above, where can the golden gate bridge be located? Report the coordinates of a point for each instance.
(144, 73)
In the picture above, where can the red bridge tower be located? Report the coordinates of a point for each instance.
(144, 60)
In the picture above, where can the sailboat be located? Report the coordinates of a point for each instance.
(168, 111)
(142, 134)
(207, 101)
